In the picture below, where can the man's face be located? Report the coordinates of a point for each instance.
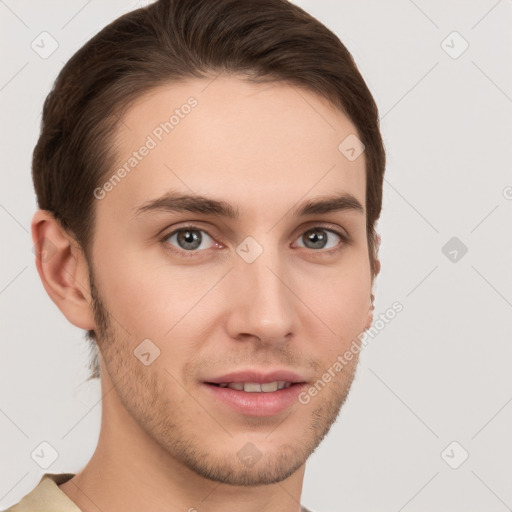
(265, 291)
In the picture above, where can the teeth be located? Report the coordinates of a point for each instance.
(251, 387)
(269, 387)
(254, 387)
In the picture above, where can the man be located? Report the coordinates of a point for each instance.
(209, 175)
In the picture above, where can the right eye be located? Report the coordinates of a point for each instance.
(189, 239)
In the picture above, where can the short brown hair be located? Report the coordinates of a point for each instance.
(172, 40)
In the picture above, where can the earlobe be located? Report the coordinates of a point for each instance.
(63, 269)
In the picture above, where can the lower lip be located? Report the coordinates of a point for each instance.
(257, 404)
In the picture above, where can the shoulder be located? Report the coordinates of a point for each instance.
(46, 496)
(304, 509)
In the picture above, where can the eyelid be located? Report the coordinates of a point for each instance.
(327, 226)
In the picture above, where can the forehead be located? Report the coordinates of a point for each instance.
(262, 145)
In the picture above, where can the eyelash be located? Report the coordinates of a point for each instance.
(197, 253)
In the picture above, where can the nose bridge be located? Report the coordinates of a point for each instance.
(263, 304)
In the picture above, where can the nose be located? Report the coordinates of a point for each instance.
(262, 301)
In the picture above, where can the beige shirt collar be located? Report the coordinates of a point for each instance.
(46, 496)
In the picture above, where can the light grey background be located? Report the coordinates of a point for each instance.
(439, 372)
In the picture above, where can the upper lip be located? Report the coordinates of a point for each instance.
(257, 376)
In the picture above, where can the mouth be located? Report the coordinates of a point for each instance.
(263, 398)
(255, 387)
(256, 391)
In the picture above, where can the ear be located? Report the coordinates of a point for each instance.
(369, 318)
(63, 269)
(371, 308)
(376, 246)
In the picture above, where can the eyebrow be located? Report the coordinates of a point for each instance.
(173, 201)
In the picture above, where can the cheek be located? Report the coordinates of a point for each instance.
(340, 299)
(342, 305)
(155, 300)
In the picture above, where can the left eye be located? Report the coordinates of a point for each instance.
(317, 238)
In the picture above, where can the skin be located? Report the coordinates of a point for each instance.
(164, 442)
